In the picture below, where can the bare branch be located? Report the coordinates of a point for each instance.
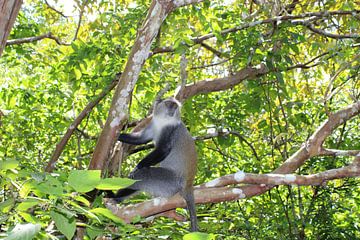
(55, 10)
(183, 3)
(211, 65)
(80, 19)
(276, 19)
(306, 64)
(351, 170)
(330, 35)
(213, 192)
(219, 84)
(36, 38)
(159, 50)
(183, 71)
(338, 152)
(211, 49)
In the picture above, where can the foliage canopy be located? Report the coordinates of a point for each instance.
(312, 63)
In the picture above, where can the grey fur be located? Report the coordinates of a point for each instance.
(174, 149)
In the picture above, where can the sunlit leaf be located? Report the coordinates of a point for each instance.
(107, 213)
(84, 180)
(114, 183)
(28, 203)
(199, 236)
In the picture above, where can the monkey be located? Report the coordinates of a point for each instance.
(174, 151)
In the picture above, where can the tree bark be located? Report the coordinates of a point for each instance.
(118, 113)
(9, 10)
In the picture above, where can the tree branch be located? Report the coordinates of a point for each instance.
(214, 191)
(276, 19)
(55, 10)
(219, 84)
(118, 113)
(80, 19)
(327, 34)
(36, 38)
(352, 170)
(338, 152)
(8, 13)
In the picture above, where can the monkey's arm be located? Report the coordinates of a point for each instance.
(155, 157)
(138, 138)
(162, 149)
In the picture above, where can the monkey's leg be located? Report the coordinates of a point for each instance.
(158, 181)
(190, 202)
(122, 194)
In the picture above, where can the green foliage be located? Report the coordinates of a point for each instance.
(44, 86)
(199, 236)
(84, 181)
(65, 225)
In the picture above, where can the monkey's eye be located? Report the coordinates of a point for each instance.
(170, 104)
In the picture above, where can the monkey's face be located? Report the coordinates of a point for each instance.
(169, 108)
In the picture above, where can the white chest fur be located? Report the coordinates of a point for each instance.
(159, 122)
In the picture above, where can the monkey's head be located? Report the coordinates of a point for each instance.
(167, 108)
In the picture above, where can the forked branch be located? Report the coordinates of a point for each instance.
(217, 190)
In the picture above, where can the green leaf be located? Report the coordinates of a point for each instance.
(28, 217)
(226, 141)
(198, 236)
(7, 205)
(94, 232)
(107, 213)
(8, 164)
(24, 231)
(28, 203)
(65, 225)
(77, 73)
(280, 78)
(51, 186)
(114, 183)
(82, 200)
(84, 180)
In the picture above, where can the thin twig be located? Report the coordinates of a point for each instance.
(80, 19)
(55, 10)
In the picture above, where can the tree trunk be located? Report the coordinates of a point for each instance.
(9, 9)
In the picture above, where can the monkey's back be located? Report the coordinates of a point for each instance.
(182, 158)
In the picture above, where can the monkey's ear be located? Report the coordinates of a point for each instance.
(157, 101)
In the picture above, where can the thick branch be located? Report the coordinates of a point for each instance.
(118, 112)
(352, 170)
(219, 84)
(210, 193)
(213, 192)
(8, 13)
(338, 152)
